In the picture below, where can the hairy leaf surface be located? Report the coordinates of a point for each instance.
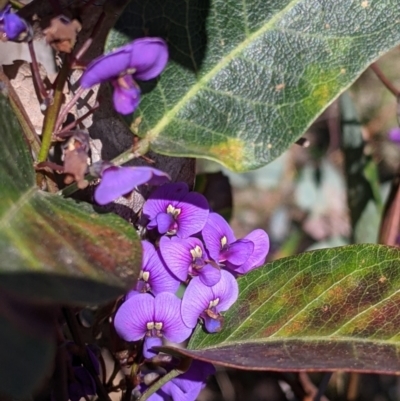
(323, 310)
(246, 78)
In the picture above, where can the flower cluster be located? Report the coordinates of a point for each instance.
(194, 248)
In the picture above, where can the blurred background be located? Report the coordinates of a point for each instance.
(331, 189)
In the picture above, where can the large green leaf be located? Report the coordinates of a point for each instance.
(247, 78)
(53, 248)
(328, 309)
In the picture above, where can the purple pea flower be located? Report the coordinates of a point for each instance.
(142, 59)
(144, 315)
(174, 210)
(185, 387)
(11, 25)
(238, 256)
(187, 257)
(119, 181)
(208, 302)
(394, 135)
(154, 275)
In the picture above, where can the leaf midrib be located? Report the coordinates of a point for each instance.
(152, 134)
(305, 339)
(24, 198)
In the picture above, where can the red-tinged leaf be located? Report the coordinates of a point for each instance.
(330, 309)
(54, 249)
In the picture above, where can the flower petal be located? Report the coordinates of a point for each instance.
(238, 252)
(14, 26)
(148, 344)
(164, 222)
(261, 247)
(213, 325)
(106, 67)
(209, 275)
(394, 134)
(132, 317)
(215, 229)
(193, 216)
(196, 300)
(198, 372)
(226, 290)
(118, 181)
(176, 255)
(149, 56)
(160, 279)
(163, 196)
(126, 99)
(168, 311)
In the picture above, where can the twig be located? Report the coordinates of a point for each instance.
(67, 108)
(36, 74)
(309, 387)
(76, 122)
(385, 80)
(352, 389)
(323, 386)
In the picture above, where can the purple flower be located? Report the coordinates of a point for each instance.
(80, 381)
(11, 25)
(154, 275)
(394, 135)
(239, 256)
(144, 315)
(174, 210)
(119, 181)
(187, 257)
(208, 302)
(187, 386)
(81, 385)
(142, 59)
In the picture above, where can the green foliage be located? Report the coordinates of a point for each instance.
(322, 310)
(247, 78)
(55, 249)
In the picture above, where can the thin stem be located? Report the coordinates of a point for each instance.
(87, 362)
(96, 29)
(141, 149)
(36, 74)
(67, 108)
(184, 366)
(17, 4)
(323, 386)
(384, 79)
(52, 113)
(79, 120)
(82, 50)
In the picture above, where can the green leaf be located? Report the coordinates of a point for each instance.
(55, 249)
(322, 310)
(247, 78)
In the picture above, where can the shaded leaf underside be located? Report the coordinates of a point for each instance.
(323, 310)
(248, 77)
